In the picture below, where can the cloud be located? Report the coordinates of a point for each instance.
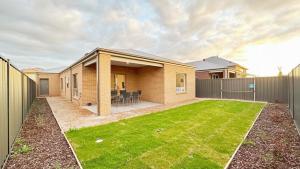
(59, 32)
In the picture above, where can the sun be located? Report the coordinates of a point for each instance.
(264, 59)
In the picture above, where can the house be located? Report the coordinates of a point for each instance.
(216, 67)
(91, 79)
(46, 81)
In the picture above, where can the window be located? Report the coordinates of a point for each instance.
(118, 82)
(215, 76)
(75, 85)
(180, 83)
(232, 75)
(67, 82)
(75, 81)
(61, 83)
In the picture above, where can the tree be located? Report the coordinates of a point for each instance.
(279, 71)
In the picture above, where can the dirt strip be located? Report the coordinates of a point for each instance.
(41, 143)
(273, 142)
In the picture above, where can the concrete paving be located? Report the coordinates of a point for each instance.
(71, 116)
(119, 108)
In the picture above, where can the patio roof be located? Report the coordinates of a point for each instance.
(129, 53)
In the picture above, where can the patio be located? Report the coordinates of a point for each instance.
(124, 107)
(126, 76)
(69, 115)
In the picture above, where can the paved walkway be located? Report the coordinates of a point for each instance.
(69, 115)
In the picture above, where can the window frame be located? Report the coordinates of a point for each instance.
(180, 91)
(75, 84)
(61, 83)
(115, 81)
(215, 76)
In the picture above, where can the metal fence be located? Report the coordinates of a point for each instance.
(270, 89)
(294, 95)
(17, 92)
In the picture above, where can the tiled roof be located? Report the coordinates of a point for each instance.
(211, 63)
(144, 55)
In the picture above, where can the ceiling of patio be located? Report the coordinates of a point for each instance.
(118, 61)
(126, 64)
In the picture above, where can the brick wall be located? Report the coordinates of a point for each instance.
(151, 83)
(53, 81)
(170, 72)
(203, 75)
(77, 70)
(66, 91)
(89, 82)
(131, 78)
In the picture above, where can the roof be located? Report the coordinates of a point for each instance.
(54, 70)
(128, 52)
(212, 63)
(144, 55)
(32, 70)
(40, 70)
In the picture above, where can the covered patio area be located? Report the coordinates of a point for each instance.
(121, 84)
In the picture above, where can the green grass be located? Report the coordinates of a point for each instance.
(199, 135)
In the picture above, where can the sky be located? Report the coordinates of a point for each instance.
(260, 35)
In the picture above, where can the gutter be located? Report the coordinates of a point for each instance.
(99, 50)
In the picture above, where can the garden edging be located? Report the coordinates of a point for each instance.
(77, 160)
(246, 135)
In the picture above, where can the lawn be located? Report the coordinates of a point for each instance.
(199, 135)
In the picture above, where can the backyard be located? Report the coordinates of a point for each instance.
(199, 135)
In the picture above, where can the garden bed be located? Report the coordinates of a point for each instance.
(40, 143)
(273, 142)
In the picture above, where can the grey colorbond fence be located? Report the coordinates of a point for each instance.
(17, 92)
(270, 89)
(294, 95)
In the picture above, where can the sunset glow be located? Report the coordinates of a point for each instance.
(264, 59)
(261, 35)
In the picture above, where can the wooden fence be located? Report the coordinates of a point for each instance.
(270, 89)
(17, 92)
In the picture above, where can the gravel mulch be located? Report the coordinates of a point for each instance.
(273, 142)
(40, 143)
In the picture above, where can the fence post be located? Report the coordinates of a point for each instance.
(22, 90)
(293, 87)
(254, 89)
(221, 88)
(8, 65)
(71, 84)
